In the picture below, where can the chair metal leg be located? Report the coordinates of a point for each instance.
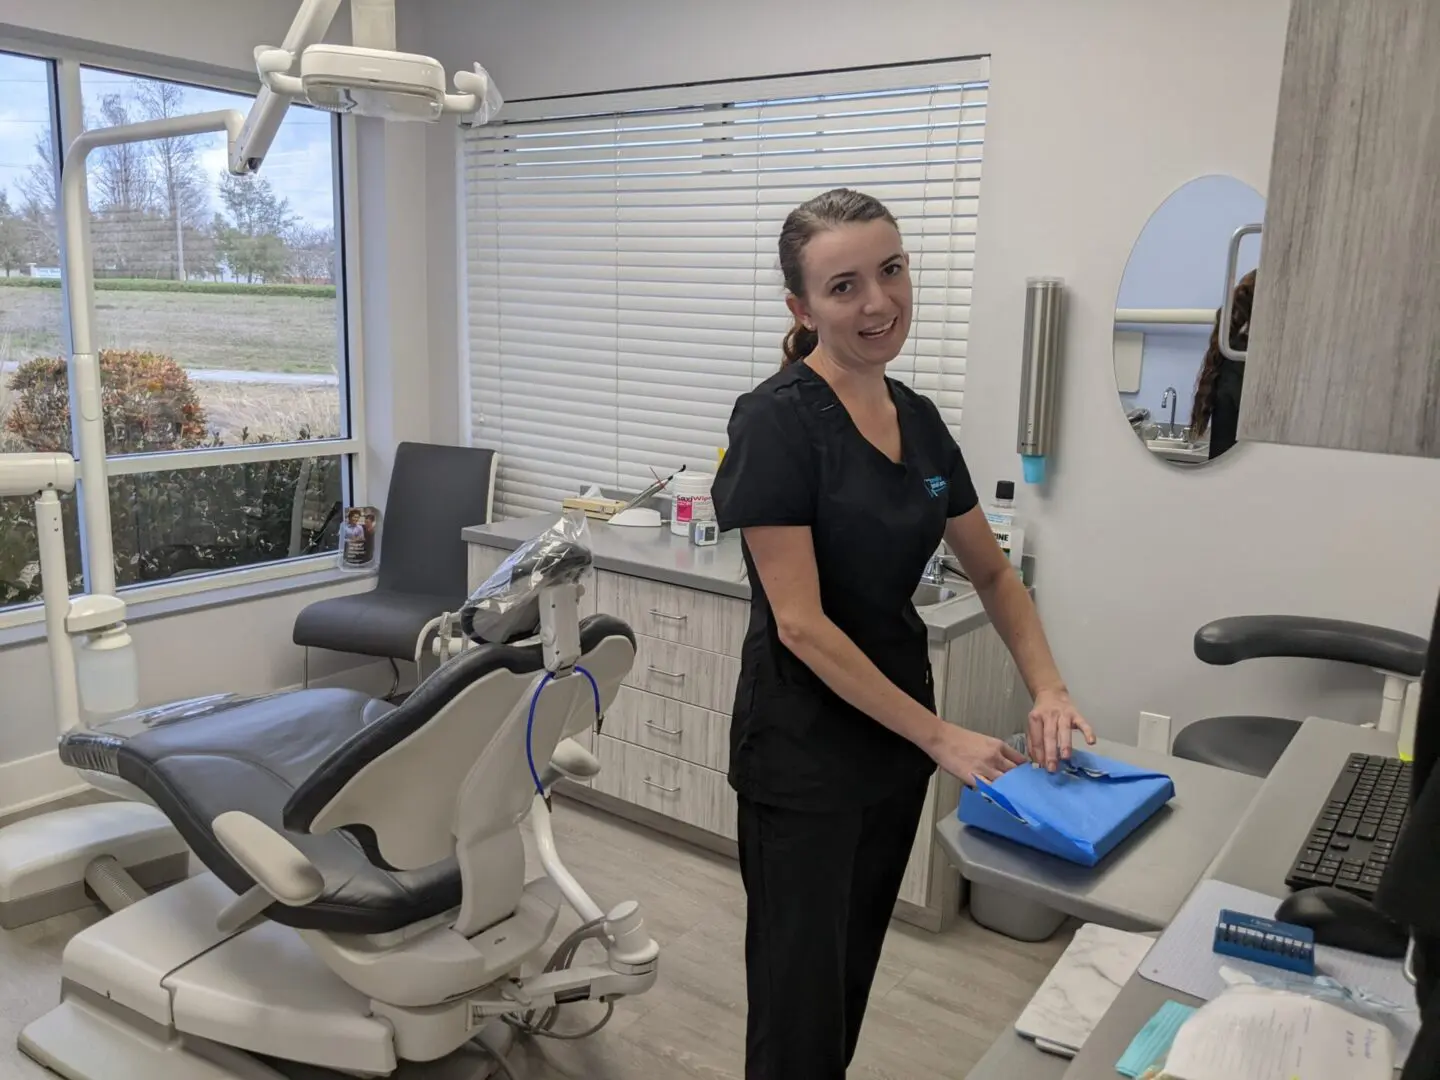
(305, 678)
(395, 681)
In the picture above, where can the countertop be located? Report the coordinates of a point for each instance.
(660, 555)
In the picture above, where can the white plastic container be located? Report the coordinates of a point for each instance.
(692, 501)
(1009, 532)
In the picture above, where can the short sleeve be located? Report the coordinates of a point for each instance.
(960, 486)
(767, 476)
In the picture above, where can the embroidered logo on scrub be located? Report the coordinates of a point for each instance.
(936, 485)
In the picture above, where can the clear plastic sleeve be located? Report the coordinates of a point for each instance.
(507, 605)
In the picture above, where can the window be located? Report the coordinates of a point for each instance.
(219, 317)
(622, 270)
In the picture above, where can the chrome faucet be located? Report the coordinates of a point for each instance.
(1171, 398)
(934, 570)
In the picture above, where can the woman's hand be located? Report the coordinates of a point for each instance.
(968, 754)
(1052, 720)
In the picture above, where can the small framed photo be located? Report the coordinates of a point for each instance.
(359, 538)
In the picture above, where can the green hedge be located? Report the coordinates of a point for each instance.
(158, 285)
(173, 521)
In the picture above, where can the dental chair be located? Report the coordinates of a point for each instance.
(364, 900)
(1253, 744)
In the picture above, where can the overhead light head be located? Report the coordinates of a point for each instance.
(378, 83)
(373, 82)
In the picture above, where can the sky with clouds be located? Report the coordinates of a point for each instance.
(299, 165)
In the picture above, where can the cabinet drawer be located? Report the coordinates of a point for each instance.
(670, 727)
(693, 676)
(678, 789)
(690, 617)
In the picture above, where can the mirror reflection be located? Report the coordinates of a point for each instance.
(1177, 389)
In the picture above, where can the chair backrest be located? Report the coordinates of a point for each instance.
(435, 492)
(446, 774)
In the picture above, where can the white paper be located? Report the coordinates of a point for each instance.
(1253, 1033)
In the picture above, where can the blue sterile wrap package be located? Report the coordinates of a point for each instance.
(1080, 812)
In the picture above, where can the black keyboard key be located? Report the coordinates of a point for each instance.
(1301, 879)
(1368, 829)
(1348, 826)
(1339, 845)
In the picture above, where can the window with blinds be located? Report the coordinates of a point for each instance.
(621, 264)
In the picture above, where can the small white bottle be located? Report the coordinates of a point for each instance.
(1009, 533)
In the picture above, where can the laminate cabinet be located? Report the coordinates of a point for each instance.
(664, 747)
(1344, 349)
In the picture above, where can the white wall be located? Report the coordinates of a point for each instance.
(247, 646)
(1098, 111)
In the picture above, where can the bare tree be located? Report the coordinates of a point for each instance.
(38, 221)
(312, 253)
(124, 199)
(174, 162)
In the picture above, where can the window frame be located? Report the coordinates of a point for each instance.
(66, 103)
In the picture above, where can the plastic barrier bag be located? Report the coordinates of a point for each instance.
(507, 605)
(1079, 813)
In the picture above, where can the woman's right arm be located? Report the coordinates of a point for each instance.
(784, 557)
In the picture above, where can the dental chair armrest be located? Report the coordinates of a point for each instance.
(277, 865)
(1251, 637)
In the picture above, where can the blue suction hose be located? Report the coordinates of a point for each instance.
(530, 725)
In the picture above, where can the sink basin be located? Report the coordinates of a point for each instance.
(927, 595)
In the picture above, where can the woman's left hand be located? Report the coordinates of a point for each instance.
(1052, 720)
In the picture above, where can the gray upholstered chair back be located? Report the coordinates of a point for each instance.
(435, 491)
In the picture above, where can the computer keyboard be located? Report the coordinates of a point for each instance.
(1356, 830)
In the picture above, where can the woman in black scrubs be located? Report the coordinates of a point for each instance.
(845, 483)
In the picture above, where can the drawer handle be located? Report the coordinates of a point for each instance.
(668, 674)
(662, 730)
(661, 787)
(667, 615)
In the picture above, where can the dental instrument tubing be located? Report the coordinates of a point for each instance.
(530, 723)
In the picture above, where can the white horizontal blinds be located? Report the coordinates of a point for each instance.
(622, 263)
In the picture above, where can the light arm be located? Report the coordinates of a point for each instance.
(248, 149)
(87, 419)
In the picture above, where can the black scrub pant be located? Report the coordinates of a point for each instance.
(820, 890)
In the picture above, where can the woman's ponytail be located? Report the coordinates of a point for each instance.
(800, 342)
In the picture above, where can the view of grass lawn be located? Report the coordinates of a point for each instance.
(253, 328)
(209, 328)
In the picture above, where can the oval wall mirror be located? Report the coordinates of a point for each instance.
(1179, 393)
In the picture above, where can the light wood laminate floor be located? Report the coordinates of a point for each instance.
(937, 1003)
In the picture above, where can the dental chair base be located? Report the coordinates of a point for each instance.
(156, 992)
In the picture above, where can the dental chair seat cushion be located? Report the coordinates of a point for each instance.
(1247, 744)
(381, 622)
(252, 758)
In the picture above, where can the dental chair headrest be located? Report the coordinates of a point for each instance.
(507, 606)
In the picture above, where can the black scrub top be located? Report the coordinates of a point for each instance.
(796, 458)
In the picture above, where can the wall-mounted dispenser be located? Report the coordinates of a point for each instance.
(1039, 385)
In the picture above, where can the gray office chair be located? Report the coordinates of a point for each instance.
(435, 492)
(1253, 744)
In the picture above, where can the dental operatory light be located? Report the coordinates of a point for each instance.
(368, 78)
(376, 83)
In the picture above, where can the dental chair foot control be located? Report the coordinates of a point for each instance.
(44, 859)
